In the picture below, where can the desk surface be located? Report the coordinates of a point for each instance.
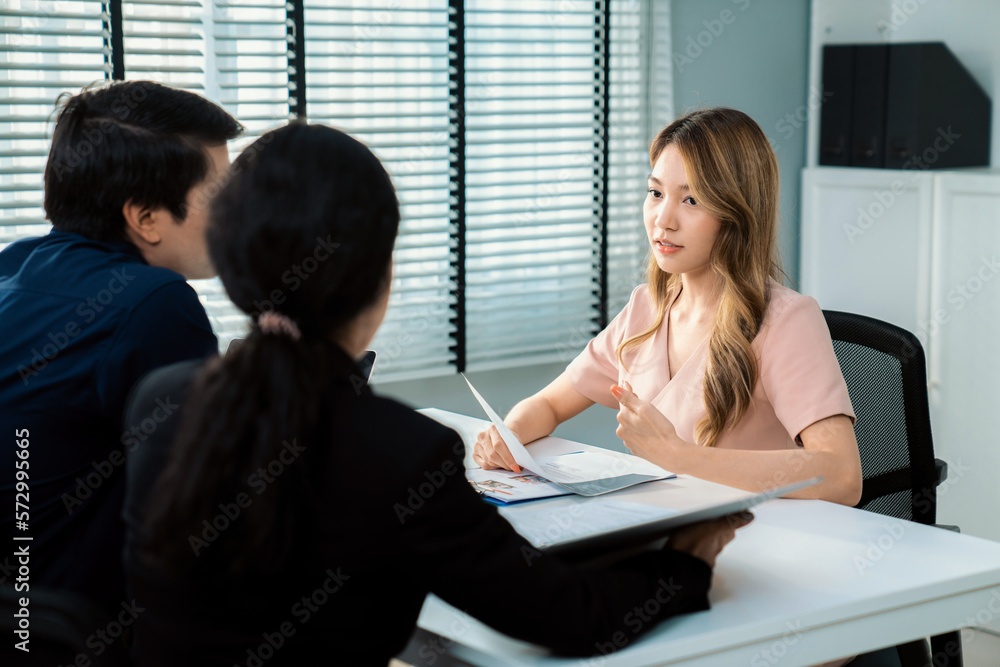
(807, 581)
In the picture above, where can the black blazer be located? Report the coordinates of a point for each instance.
(397, 520)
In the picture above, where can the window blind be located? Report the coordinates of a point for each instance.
(248, 58)
(251, 59)
(380, 71)
(536, 158)
(43, 52)
(165, 42)
(515, 133)
(631, 129)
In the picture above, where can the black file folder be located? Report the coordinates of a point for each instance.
(868, 115)
(901, 106)
(838, 105)
(937, 115)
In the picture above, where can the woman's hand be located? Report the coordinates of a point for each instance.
(530, 419)
(644, 429)
(491, 452)
(705, 540)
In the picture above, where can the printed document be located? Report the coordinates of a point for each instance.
(584, 473)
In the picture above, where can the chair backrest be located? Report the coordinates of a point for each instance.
(885, 372)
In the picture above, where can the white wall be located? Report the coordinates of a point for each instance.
(751, 55)
(968, 27)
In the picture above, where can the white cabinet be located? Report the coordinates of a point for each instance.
(866, 237)
(964, 351)
(922, 250)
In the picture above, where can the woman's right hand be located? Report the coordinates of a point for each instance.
(491, 452)
(706, 539)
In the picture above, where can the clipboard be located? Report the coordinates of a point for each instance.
(644, 534)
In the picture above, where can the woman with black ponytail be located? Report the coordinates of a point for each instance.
(276, 523)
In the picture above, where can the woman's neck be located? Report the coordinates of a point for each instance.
(700, 293)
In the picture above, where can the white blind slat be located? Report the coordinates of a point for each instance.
(380, 70)
(43, 53)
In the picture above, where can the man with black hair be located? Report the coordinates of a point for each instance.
(93, 306)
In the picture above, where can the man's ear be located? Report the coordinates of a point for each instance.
(141, 223)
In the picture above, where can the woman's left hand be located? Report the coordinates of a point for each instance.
(644, 429)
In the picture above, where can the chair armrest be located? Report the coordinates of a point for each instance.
(941, 468)
(946, 526)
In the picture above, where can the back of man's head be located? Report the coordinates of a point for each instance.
(135, 140)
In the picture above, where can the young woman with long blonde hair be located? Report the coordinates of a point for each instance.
(716, 369)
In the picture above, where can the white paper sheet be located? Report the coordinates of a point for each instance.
(585, 473)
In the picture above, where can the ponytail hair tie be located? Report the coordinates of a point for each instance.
(273, 322)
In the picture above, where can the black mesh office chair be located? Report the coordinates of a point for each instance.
(885, 372)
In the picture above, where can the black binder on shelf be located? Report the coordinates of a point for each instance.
(901, 106)
(871, 64)
(937, 115)
(838, 96)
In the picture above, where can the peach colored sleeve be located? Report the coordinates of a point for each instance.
(798, 367)
(596, 368)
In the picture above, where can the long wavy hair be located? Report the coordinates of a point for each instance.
(733, 174)
(306, 223)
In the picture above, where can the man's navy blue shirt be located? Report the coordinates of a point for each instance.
(81, 322)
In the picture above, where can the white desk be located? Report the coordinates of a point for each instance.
(807, 581)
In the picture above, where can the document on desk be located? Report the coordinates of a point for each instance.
(577, 527)
(503, 487)
(583, 473)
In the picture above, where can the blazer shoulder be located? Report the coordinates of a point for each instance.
(416, 438)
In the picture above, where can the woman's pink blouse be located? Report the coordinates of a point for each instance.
(799, 382)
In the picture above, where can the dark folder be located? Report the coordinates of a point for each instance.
(868, 114)
(937, 115)
(901, 106)
(838, 96)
